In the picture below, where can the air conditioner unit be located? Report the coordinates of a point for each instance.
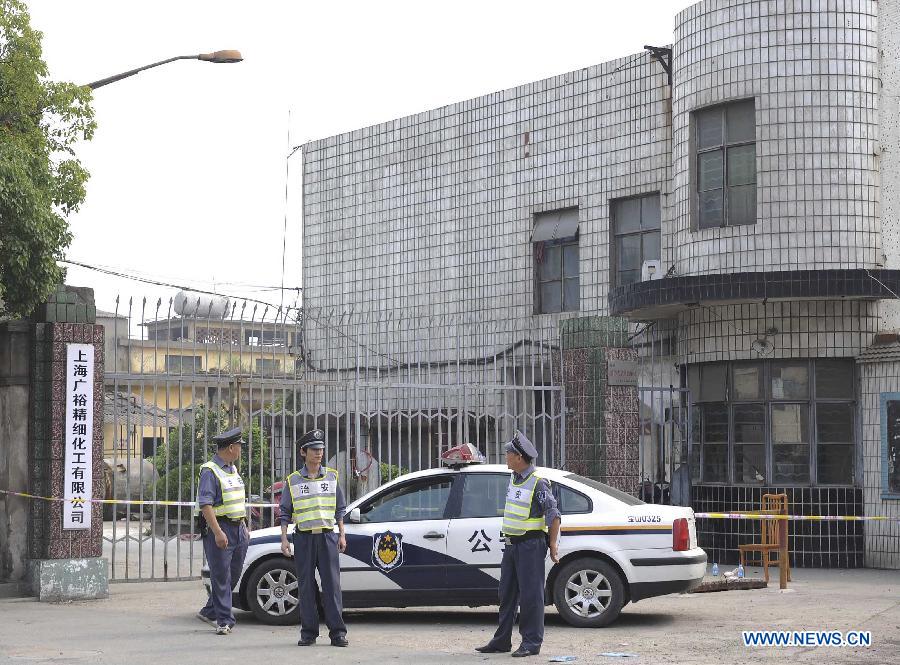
(650, 270)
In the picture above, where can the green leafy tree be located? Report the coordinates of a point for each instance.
(41, 181)
(189, 445)
(391, 471)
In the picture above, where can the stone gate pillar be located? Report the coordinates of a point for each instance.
(602, 418)
(15, 339)
(64, 557)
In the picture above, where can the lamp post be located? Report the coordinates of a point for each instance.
(227, 57)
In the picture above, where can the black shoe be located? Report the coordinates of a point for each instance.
(339, 642)
(306, 642)
(521, 652)
(489, 648)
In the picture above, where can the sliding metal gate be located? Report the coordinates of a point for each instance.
(391, 394)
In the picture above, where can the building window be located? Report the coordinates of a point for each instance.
(780, 422)
(268, 365)
(149, 445)
(183, 364)
(725, 139)
(636, 224)
(890, 434)
(556, 280)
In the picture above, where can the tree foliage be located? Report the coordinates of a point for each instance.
(41, 180)
(189, 445)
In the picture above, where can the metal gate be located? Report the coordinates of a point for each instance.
(390, 392)
(665, 445)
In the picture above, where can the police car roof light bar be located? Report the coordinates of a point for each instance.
(462, 455)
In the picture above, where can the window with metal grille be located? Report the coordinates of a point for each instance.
(556, 278)
(778, 422)
(725, 140)
(636, 223)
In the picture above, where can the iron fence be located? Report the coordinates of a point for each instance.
(391, 393)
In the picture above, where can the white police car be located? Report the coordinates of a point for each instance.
(432, 538)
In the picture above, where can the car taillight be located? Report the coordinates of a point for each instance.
(681, 535)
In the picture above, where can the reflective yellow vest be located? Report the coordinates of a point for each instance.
(234, 497)
(314, 500)
(516, 520)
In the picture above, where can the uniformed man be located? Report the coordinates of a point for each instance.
(221, 498)
(315, 503)
(529, 513)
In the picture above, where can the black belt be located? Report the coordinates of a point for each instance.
(230, 520)
(528, 535)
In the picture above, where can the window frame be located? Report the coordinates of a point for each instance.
(615, 235)
(698, 459)
(886, 492)
(567, 241)
(263, 366)
(458, 514)
(556, 488)
(724, 146)
(448, 506)
(197, 364)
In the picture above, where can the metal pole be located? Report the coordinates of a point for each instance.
(132, 72)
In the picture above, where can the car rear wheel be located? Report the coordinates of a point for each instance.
(588, 593)
(273, 593)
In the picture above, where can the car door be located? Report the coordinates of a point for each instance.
(474, 536)
(397, 552)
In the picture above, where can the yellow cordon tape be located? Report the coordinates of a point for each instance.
(716, 516)
(134, 502)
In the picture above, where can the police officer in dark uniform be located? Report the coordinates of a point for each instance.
(221, 499)
(314, 502)
(530, 512)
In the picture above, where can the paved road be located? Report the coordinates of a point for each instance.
(153, 624)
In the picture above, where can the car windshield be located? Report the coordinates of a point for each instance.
(606, 489)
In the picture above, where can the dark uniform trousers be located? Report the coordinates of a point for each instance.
(224, 570)
(522, 584)
(312, 551)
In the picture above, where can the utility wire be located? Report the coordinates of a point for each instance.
(300, 311)
(147, 275)
(170, 285)
(646, 327)
(889, 290)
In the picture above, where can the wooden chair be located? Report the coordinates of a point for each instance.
(773, 535)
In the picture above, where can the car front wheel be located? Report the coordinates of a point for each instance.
(273, 593)
(588, 593)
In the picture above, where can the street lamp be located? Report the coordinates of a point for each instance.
(227, 56)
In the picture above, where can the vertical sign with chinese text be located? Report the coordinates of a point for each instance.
(79, 437)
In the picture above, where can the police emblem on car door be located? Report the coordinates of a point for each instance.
(387, 550)
(413, 514)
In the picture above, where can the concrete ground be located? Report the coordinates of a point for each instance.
(153, 623)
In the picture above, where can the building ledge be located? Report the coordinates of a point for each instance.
(665, 298)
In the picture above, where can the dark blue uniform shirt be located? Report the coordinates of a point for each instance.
(543, 503)
(287, 503)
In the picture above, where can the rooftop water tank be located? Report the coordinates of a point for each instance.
(200, 305)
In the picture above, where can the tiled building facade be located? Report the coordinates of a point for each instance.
(744, 217)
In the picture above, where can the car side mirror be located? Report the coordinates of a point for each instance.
(354, 516)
